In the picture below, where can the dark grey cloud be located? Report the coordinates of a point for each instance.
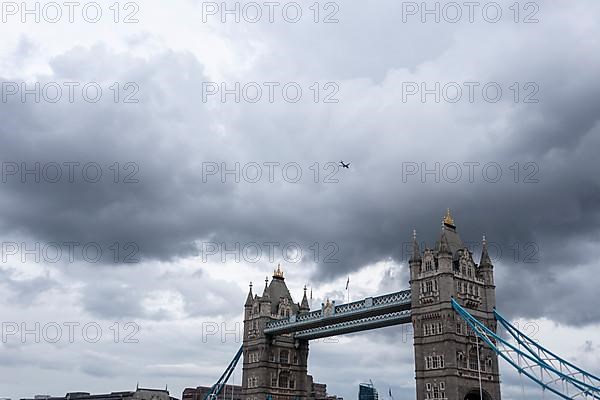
(369, 213)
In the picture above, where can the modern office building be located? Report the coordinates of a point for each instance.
(366, 391)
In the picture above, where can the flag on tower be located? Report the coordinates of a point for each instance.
(347, 283)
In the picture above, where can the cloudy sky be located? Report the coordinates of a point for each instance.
(159, 156)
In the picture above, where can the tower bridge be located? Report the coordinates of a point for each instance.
(451, 306)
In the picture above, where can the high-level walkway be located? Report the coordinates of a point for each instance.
(368, 313)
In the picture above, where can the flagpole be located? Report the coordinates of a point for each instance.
(348, 289)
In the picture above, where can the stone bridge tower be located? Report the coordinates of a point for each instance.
(274, 367)
(447, 365)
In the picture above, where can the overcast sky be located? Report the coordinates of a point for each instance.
(492, 111)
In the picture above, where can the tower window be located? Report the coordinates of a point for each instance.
(439, 328)
(428, 286)
(473, 365)
(283, 380)
(428, 265)
(273, 379)
(284, 357)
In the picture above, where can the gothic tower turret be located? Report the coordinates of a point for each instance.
(415, 259)
(304, 306)
(275, 365)
(486, 271)
(446, 364)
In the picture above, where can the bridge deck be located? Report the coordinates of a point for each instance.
(363, 324)
(345, 318)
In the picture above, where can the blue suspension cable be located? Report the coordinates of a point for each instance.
(483, 331)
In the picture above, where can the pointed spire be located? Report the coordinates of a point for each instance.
(444, 246)
(416, 252)
(266, 292)
(448, 220)
(304, 305)
(278, 273)
(485, 257)
(250, 297)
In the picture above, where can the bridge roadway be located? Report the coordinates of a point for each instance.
(369, 313)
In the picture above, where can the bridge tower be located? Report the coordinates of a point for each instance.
(275, 366)
(450, 362)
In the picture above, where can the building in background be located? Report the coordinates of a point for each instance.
(366, 391)
(229, 392)
(138, 394)
(318, 392)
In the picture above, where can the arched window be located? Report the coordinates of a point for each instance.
(488, 364)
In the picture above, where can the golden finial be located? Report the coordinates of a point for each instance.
(448, 220)
(278, 273)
